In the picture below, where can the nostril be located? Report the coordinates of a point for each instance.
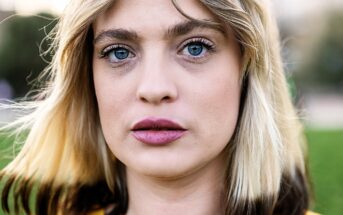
(166, 98)
(143, 99)
(155, 99)
(156, 93)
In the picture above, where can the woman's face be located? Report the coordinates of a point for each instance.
(167, 88)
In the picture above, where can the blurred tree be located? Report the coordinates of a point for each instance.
(20, 44)
(324, 67)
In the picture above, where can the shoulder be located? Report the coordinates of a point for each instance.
(109, 210)
(102, 212)
(311, 213)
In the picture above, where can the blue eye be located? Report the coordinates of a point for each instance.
(117, 53)
(195, 48)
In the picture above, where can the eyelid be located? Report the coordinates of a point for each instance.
(203, 40)
(105, 51)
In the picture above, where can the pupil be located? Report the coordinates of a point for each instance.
(121, 53)
(195, 49)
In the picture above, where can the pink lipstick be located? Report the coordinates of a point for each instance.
(155, 131)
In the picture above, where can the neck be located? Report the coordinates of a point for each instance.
(199, 193)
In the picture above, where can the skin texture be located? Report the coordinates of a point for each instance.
(160, 78)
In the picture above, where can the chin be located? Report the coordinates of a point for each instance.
(168, 170)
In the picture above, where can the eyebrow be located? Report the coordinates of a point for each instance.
(174, 31)
(120, 34)
(188, 26)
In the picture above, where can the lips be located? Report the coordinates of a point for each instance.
(154, 131)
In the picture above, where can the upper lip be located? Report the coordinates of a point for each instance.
(156, 124)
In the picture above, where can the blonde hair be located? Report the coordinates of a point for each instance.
(65, 147)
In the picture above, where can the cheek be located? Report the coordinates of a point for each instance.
(217, 103)
(112, 100)
(226, 90)
(221, 103)
(104, 90)
(111, 89)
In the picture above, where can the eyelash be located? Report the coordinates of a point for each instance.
(205, 43)
(106, 51)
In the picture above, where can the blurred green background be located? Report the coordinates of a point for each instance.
(312, 42)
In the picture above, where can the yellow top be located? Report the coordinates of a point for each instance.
(99, 212)
(311, 213)
(102, 212)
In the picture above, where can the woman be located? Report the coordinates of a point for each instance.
(162, 107)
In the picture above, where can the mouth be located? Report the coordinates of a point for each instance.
(155, 131)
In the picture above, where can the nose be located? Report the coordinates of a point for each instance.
(157, 84)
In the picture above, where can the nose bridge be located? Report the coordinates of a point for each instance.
(156, 82)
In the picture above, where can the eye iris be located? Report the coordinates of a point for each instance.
(120, 53)
(195, 49)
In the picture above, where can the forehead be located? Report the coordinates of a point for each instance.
(149, 15)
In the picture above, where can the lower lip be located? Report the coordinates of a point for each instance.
(161, 137)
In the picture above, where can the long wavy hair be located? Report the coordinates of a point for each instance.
(66, 167)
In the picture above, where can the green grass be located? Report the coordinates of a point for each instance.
(325, 162)
(326, 169)
(5, 151)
